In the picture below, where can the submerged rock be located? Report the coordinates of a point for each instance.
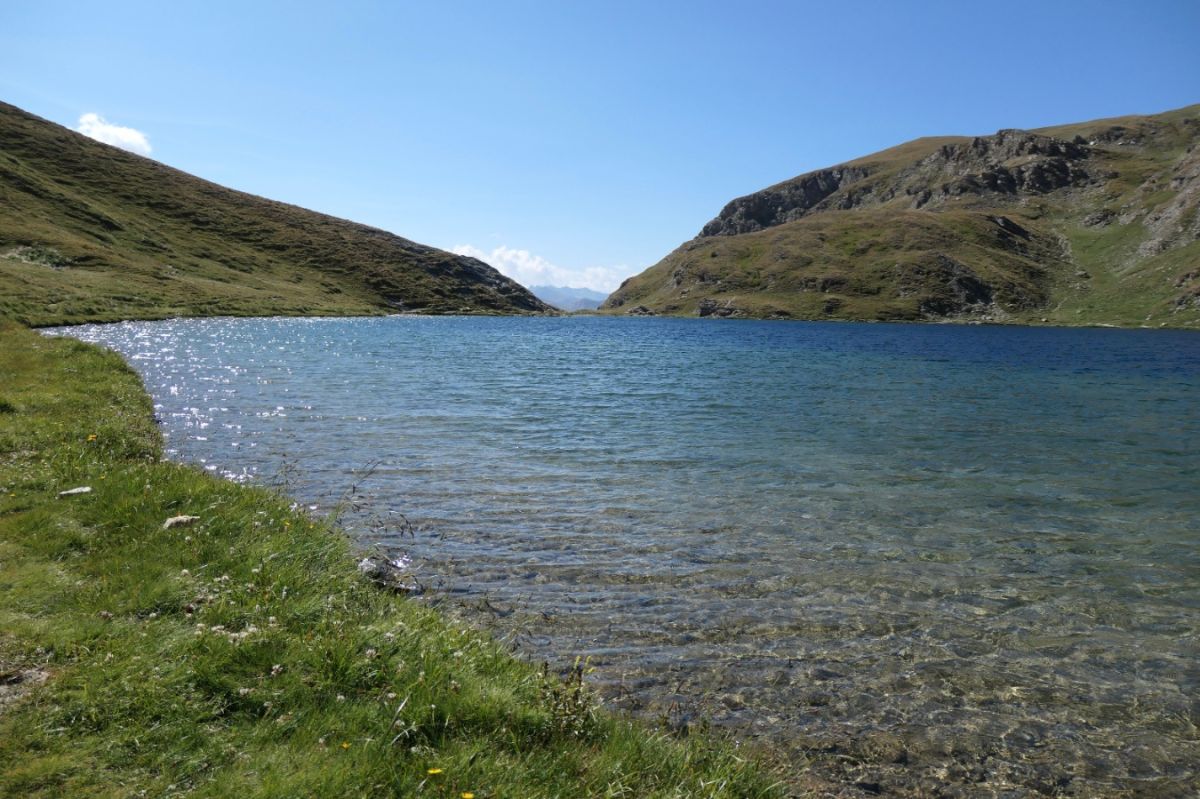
(393, 574)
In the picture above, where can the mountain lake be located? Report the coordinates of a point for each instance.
(912, 560)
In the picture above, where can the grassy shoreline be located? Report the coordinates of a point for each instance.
(242, 653)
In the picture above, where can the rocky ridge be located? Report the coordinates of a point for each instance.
(1088, 223)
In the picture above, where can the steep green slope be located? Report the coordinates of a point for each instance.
(1094, 223)
(89, 232)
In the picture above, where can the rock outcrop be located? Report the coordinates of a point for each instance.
(1010, 162)
(786, 202)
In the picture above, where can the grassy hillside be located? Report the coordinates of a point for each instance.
(1094, 223)
(89, 232)
(242, 654)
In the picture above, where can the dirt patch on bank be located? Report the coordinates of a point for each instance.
(15, 683)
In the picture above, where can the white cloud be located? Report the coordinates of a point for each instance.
(95, 127)
(534, 270)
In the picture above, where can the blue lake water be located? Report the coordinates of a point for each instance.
(917, 560)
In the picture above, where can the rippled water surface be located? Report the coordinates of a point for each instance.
(921, 560)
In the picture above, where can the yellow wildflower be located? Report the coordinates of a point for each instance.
(434, 771)
(467, 795)
(345, 744)
(92, 437)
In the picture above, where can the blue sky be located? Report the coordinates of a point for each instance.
(573, 143)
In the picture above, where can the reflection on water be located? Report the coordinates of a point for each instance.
(923, 561)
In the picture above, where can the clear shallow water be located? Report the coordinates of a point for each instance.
(922, 560)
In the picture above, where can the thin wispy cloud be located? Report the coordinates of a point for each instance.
(97, 127)
(534, 270)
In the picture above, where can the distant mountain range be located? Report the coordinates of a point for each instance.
(1091, 223)
(89, 232)
(569, 299)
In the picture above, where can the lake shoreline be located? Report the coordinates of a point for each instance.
(162, 601)
(382, 313)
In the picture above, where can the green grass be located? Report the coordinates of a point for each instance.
(864, 264)
(243, 655)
